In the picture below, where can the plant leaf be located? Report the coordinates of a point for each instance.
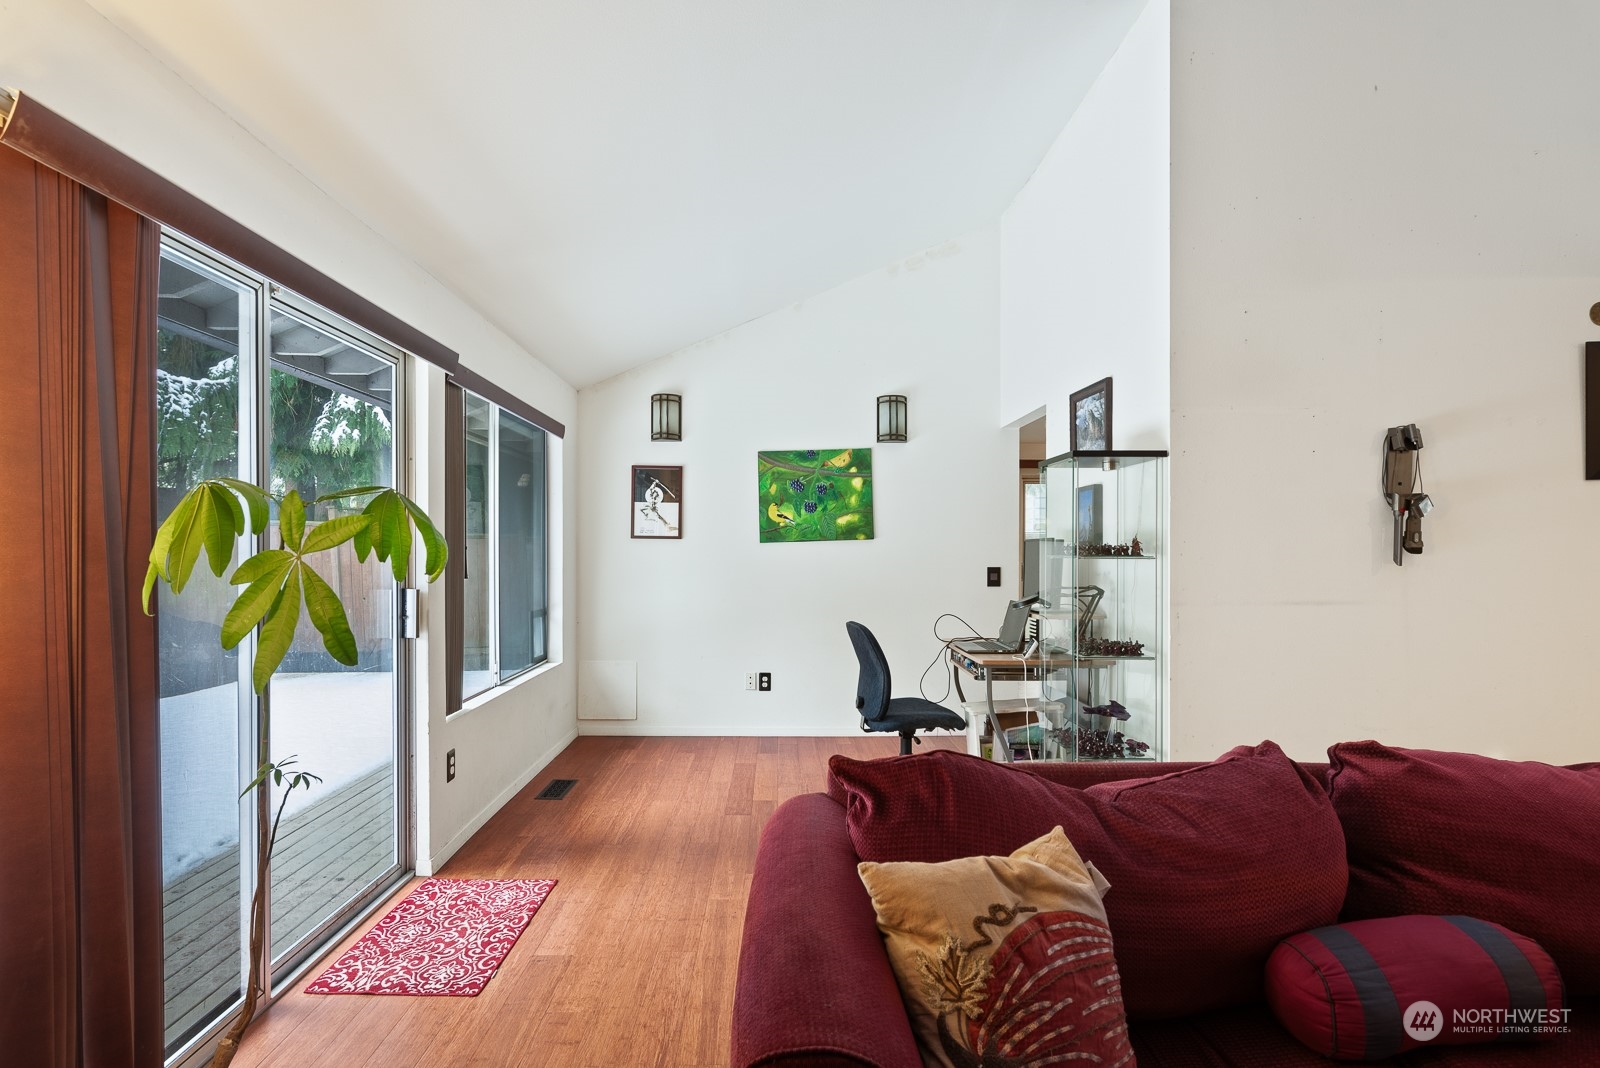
(260, 564)
(277, 633)
(218, 528)
(190, 540)
(255, 498)
(334, 532)
(292, 520)
(170, 529)
(391, 532)
(261, 776)
(359, 491)
(363, 542)
(151, 573)
(400, 546)
(162, 547)
(229, 507)
(257, 599)
(437, 552)
(327, 615)
(380, 508)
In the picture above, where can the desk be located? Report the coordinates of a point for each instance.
(990, 668)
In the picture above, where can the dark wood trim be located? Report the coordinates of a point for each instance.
(486, 389)
(1591, 410)
(41, 134)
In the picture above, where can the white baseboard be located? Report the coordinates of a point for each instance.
(475, 824)
(616, 728)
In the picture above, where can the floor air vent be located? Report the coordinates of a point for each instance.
(557, 789)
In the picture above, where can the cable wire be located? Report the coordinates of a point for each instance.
(944, 653)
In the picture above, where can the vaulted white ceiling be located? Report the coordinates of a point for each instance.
(610, 180)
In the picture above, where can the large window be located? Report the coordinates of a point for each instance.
(506, 589)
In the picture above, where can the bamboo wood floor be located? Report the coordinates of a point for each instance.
(632, 959)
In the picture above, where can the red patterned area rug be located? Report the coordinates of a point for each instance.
(447, 938)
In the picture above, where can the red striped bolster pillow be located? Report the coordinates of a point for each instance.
(1368, 990)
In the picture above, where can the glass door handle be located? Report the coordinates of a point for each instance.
(406, 624)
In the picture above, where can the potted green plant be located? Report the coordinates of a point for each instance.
(279, 584)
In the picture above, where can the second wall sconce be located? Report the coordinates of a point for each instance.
(666, 417)
(892, 417)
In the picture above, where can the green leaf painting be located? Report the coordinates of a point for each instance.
(815, 495)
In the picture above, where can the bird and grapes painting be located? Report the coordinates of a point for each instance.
(815, 495)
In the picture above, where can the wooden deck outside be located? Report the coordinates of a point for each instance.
(327, 851)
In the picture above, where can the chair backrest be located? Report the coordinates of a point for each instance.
(872, 688)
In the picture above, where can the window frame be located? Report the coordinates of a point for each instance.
(459, 696)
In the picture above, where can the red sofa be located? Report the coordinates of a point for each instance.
(815, 987)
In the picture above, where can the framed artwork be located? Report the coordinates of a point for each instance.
(1091, 530)
(657, 505)
(815, 495)
(1091, 418)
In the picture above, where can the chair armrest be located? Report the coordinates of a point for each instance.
(814, 985)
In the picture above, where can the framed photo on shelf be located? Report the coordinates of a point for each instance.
(1091, 529)
(657, 502)
(1091, 418)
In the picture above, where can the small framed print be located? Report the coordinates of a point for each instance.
(1090, 526)
(1091, 418)
(657, 504)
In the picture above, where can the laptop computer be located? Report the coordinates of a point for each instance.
(1013, 633)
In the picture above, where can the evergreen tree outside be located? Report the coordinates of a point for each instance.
(322, 439)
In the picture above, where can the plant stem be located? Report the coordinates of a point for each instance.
(229, 1046)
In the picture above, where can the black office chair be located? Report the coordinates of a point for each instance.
(902, 715)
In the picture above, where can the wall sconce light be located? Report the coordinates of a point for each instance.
(892, 418)
(666, 417)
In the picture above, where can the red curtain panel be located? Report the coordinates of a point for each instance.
(80, 849)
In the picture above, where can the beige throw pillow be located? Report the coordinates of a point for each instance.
(1004, 960)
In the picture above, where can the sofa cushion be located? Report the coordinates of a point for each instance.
(1509, 842)
(1366, 990)
(1212, 866)
(1003, 959)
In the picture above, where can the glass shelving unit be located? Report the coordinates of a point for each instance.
(1103, 632)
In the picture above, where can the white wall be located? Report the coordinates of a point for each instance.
(696, 614)
(1383, 213)
(75, 62)
(1084, 255)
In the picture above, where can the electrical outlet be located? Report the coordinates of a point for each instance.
(764, 681)
(750, 681)
(450, 766)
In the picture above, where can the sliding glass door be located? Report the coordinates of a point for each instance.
(331, 427)
(257, 385)
(207, 717)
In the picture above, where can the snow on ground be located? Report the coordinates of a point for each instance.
(339, 724)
